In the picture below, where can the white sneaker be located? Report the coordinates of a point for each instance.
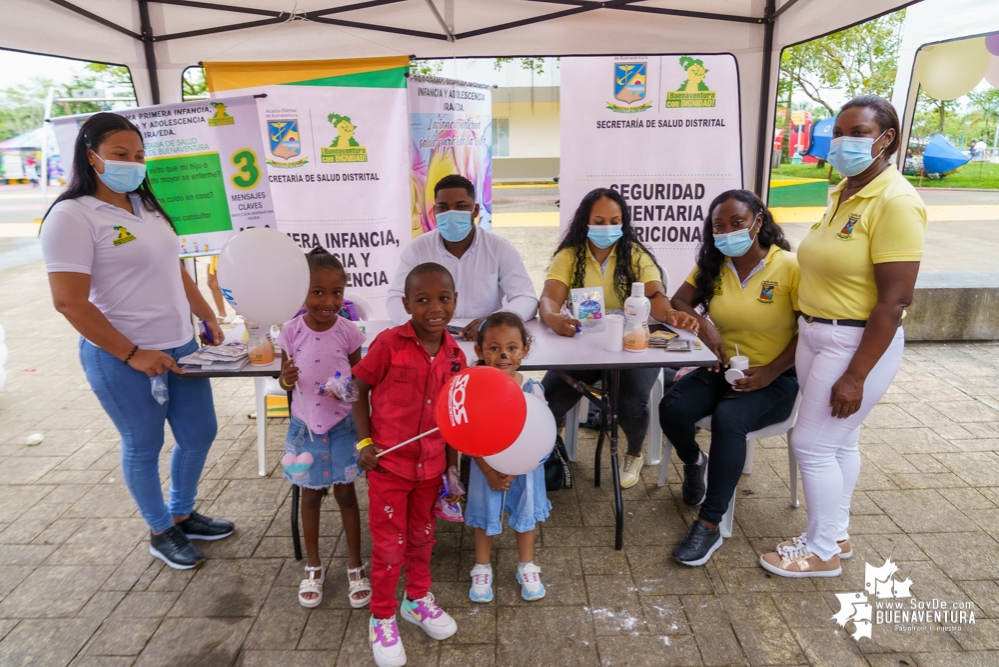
(386, 644)
(630, 467)
(529, 578)
(425, 613)
(482, 583)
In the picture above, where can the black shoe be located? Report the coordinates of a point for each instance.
(174, 549)
(200, 527)
(697, 545)
(695, 482)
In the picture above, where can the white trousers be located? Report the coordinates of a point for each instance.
(824, 446)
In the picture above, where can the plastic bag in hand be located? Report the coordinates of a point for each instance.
(339, 387)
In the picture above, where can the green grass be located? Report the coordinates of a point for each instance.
(804, 171)
(980, 175)
(976, 175)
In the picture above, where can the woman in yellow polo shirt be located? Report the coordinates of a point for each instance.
(599, 234)
(858, 273)
(746, 279)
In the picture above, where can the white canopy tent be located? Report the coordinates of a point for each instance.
(158, 39)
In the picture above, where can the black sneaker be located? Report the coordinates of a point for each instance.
(695, 482)
(200, 527)
(174, 549)
(697, 545)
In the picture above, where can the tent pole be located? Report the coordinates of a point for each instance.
(147, 42)
(44, 166)
(762, 149)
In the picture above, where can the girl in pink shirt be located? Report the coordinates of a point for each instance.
(316, 346)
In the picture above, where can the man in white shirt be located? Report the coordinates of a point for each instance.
(488, 271)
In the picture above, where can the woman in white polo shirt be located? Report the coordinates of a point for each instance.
(112, 259)
(746, 280)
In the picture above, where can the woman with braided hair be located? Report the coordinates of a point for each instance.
(588, 256)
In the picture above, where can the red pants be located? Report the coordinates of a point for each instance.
(402, 532)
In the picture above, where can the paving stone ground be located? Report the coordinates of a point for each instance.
(78, 586)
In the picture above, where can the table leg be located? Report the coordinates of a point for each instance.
(260, 389)
(615, 385)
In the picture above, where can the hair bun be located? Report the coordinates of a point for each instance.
(318, 250)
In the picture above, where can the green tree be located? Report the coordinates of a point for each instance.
(533, 65)
(856, 61)
(986, 106)
(426, 67)
(193, 83)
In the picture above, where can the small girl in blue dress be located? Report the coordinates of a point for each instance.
(502, 343)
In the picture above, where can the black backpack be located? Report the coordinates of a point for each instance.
(557, 472)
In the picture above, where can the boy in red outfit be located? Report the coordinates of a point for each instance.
(402, 373)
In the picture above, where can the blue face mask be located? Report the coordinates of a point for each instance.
(735, 244)
(454, 225)
(604, 236)
(121, 176)
(852, 155)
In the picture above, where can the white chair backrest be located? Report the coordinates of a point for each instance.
(362, 305)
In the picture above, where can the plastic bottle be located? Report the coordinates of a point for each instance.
(157, 386)
(637, 309)
(260, 347)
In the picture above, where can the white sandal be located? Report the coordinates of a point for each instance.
(311, 585)
(361, 584)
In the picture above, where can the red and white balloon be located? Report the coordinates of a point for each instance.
(532, 446)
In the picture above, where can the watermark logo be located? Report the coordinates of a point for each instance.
(887, 601)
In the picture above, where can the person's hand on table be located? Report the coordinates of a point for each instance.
(471, 330)
(498, 481)
(217, 334)
(846, 396)
(369, 458)
(756, 378)
(564, 326)
(681, 320)
(289, 374)
(153, 363)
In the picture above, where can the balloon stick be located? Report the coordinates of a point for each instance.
(298, 391)
(401, 444)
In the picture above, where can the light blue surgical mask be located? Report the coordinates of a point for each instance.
(604, 236)
(852, 155)
(735, 244)
(122, 176)
(454, 226)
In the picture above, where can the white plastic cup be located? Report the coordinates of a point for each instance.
(614, 332)
(740, 362)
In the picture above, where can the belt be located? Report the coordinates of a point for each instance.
(841, 323)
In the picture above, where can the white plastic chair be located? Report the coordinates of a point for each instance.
(362, 305)
(577, 415)
(785, 426)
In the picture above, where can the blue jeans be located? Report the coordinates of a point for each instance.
(125, 395)
(734, 414)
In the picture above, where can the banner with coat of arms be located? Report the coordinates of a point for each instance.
(336, 134)
(204, 161)
(661, 130)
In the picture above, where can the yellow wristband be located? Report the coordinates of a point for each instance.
(364, 443)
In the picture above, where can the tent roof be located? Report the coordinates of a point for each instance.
(158, 39)
(32, 140)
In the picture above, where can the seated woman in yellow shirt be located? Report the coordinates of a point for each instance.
(599, 234)
(746, 279)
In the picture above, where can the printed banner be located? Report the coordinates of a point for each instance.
(450, 132)
(661, 130)
(204, 163)
(336, 137)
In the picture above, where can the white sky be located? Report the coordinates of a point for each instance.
(17, 68)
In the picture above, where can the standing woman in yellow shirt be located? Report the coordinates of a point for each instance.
(858, 272)
(746, 280)
(590, 255)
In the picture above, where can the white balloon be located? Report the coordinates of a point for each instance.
(263, 275)
(3, 377)
(534, 443)
(3, 354)
(992, 73)
(948, 71)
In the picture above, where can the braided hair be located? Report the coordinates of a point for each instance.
(710, 259)
(625, 273)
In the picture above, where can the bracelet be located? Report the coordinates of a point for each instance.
(131, 354)
(285, 386)
(364, 443)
